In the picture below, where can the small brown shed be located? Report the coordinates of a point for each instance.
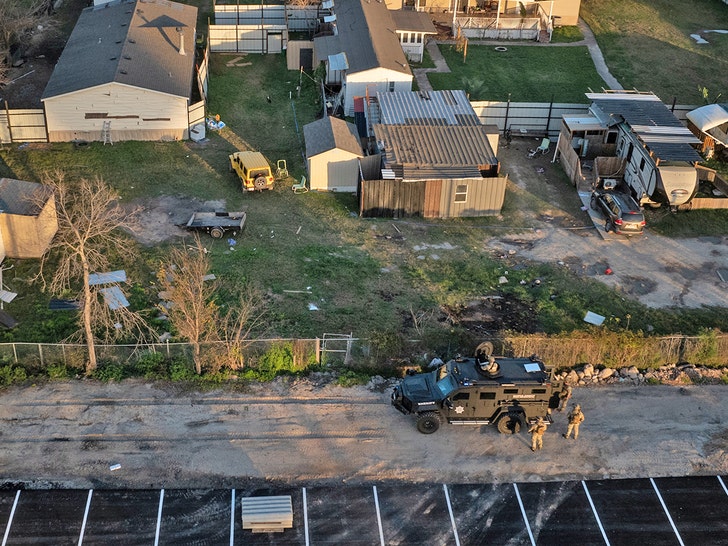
(28, 218)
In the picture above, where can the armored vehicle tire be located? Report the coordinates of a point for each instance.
(260, 182)
(509, 424)
(428, 422)
(217, 232)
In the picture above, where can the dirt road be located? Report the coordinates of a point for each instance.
(658, 271)
(70, 434)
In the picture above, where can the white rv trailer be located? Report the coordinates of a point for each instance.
(657, 148)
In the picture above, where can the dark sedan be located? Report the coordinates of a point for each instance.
(623, 214)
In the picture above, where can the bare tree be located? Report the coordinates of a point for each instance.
(90, 222)
(240, 321)
(17, 19)
(190, 291)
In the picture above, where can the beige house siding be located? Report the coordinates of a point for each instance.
(372, 82)
(484, 197)
(28, 236)
(335, 170)
(142, 114)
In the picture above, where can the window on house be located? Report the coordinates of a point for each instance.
(419, 38)
(611, 137)
(461, 193)
(391, 87)
(405, 37)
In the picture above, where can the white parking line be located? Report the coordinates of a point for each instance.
(722, 484)
(523, 513)
(379, 515)
(159, 516)
(10, 519)
(305, 516)
(85, 517)
(232, 518)
(594, 511)
(664, 507)
(452, 518)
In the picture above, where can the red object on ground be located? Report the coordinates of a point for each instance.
(608, 271)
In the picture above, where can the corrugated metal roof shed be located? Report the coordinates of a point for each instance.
(135, 43)
(650, 120)
(21, 197)
(426, 108)
(368, 36)
(426, 152)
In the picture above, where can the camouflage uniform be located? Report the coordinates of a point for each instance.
(576, 417)
(564, 396)
(537, 431)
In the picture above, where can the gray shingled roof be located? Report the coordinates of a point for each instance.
(129, 42)
(367, 36)
(413, 21)
(424, 152)
(426, 108)
(650, 120)
(21, 197)
(328, 133)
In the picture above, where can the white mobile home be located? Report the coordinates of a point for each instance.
(126, 73)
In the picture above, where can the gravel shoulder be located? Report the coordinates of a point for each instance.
(70, 434)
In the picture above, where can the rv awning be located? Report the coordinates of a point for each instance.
(709, 116)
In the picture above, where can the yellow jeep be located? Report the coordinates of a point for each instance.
(253, 170)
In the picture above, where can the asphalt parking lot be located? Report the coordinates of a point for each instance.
(683, 511)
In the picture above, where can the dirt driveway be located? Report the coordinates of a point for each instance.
(71, 434)
(658, 271)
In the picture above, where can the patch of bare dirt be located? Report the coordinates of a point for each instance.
(163, 218)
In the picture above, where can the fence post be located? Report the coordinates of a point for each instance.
(167, 344)
(508, 108)
(15, 353)
(40, 353)
(318, 351)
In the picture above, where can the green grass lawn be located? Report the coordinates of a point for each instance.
(369, 277)
(647, 45)
(523, 73)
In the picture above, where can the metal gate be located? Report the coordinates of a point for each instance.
(337, 343)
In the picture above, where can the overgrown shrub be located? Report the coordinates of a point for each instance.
(109, 371)
(151, 365)
(12, 374)
(181, 369)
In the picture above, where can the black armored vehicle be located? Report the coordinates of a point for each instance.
(510, 393)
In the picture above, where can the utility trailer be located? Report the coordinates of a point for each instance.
(217, 224)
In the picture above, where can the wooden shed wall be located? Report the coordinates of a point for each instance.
(431, 198)
(29, 236)
(134, 113)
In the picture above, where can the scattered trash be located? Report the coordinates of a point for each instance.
(116, 466)
(608, 271)
(593, 318)
(502, 280)
(723, 274)
(232, 242)
(312, 307)
(166, 336)
(214, 124)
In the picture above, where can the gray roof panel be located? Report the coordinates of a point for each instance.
(22, 198)
(367, 34)
(328, 133)
(650, 120)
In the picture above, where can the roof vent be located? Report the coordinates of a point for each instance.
(127, 57)
(181, 41)
(122, 71)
